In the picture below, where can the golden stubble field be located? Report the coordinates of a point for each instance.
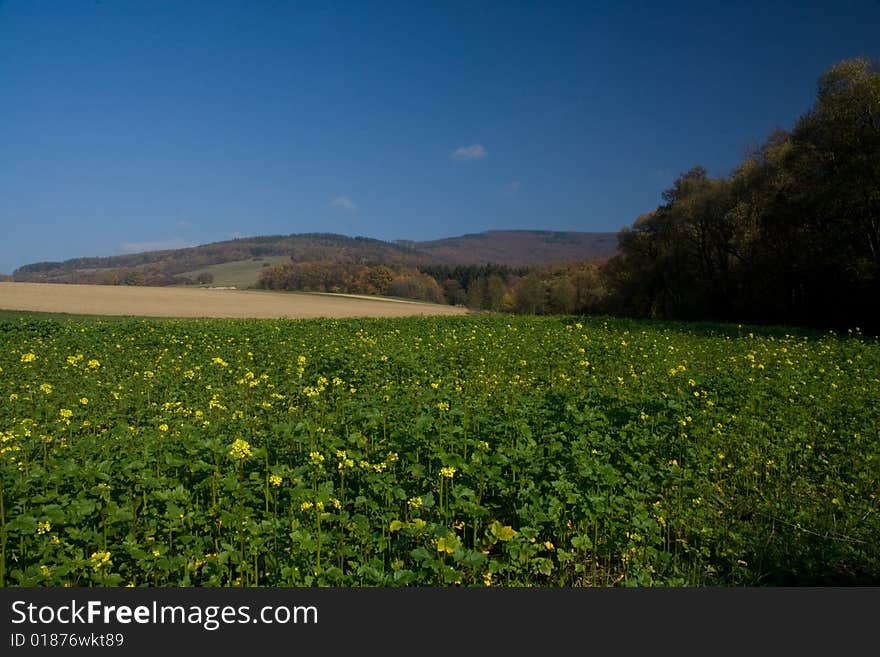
(201, 302)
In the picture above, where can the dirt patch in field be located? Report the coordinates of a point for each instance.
(182, 302)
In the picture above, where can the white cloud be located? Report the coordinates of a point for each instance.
(343, 202)
(162, 245)
(183, 223)
(472, 152)
(515, 185)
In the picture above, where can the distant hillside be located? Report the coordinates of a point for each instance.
(173, 266)
(517, 248)
(240, 261)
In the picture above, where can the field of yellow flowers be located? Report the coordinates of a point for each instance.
(473, 451)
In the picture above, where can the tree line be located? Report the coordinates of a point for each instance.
(562, 289)
(792, 236)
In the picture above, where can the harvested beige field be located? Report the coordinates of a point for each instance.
(198, 302)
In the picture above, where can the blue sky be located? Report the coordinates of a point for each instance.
(128, 125)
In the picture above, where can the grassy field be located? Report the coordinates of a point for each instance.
(125, 300)
(473, 450)
(241, 274)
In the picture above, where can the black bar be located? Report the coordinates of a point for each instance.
(455, 621)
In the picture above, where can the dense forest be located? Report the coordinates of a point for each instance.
(792, 236)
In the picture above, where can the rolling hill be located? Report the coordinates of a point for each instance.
(517, 248)
(238, 262)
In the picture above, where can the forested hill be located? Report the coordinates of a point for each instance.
(515, 248)
(518, 248)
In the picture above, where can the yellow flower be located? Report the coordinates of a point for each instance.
(93, 364)
(240, 449)
(83, 400)
(43, 527)
(305, 506)
(100, 560)
(443, 406)
(448, 472)
(44, 571)
(46, 388)
(275, 480)
(28, 357)
(163, 427)
(66, 413)
(316, 457)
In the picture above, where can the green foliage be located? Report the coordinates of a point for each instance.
(468, 450)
